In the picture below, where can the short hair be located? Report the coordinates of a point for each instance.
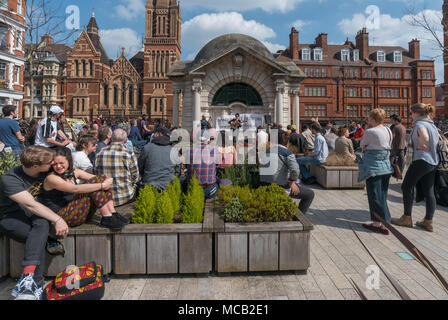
(422, 109)
(103, 132)
(342, 131)
(316, 127)
(65, 152)
(378, 114)
(133, 122)
(36, 156)
(305, 127)
(396, 118)
(283, 137)
(85, 140)
(119, 135)
(8, 110)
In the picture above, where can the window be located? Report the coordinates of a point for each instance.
(398, 56)
(19, 40)
(352, 92)
(91, 68)
(19, 7)
(352, 111)
(426, 92)
(317, 72)
(131, 95)
(315, 111)
(83, 102)
(355, 55)
(386, 74)
(77, 67)
(37, 90)
(237, 92)
(84, 68)
(3, 38)
(106, 94)
(390, 110)
(318, 54)
(77, 105)
(155, 105)
(367, 110)
(307, 72)
(406, 74)
(345, 55)
(115, 94)
(324, 72)
(356, 73)
(16, 74)
(312, 73)
(381, 56)
(367, 92)
(140, 96)
(306, 54)
(315, 91)
(2, 71)
(4, 4)
(397, 74)
(123, 93)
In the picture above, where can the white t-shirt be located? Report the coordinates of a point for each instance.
(379, 138)
(81, 161)
(47, 129)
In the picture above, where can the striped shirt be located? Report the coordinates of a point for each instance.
(117, 162)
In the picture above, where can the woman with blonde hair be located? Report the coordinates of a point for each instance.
(422, 171)
(376, 169)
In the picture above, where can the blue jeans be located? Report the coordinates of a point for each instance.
(211, 192)
(377, 188)
(302, 162)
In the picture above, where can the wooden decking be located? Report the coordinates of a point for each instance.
(336, 257)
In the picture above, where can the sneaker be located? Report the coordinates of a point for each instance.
(122, 219)
(15, 290)
(55, 247)
(112, 222)
(28, 289)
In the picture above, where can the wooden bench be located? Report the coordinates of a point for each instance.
(136, 249)
(337, 177)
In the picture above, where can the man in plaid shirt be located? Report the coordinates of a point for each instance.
(203, 163)
(117, 162)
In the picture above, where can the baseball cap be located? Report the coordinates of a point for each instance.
(56, 110)
(293, 127)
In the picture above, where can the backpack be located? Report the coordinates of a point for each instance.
(442, 150)
(85, 282)
(441, 188)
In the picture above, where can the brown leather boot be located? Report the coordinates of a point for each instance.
(425, 224)
(404, 221)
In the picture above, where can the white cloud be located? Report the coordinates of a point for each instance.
(266, 5)
(115, 39)
(130, 9)
(299, 24)
(203, 28)
(398, 32)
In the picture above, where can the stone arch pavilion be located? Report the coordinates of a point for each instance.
(235, 73)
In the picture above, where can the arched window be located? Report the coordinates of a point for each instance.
(131, 95)
(83, 101)
(84, 68)
(106, 94)
(77, 67)
(155, 105)
(123, 92)
(140, 96)
(115, 94)
(237, 92)
(164, 25)
(91, 68)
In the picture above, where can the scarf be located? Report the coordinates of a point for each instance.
(410, 144)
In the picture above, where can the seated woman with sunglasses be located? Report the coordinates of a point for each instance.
(77, 203)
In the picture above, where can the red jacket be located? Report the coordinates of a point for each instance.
(359, 133)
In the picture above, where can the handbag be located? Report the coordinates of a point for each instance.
(397, 171)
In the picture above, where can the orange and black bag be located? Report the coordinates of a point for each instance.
(85, 282)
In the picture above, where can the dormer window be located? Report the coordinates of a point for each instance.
(306, 54)
(317, 54)
(345, 55)
(381, 56)
(355, 54)
(398, 56)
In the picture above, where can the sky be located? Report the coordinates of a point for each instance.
(122, 22)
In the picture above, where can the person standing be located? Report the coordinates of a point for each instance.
(10, 133)
(422, 171)
(376, 169)
(398, 142)
(99, 121)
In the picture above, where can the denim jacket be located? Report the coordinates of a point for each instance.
(374, 163)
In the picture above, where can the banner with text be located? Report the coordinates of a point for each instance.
(249, 121)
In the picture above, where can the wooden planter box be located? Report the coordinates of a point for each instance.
(4, 256)
(276, 246)
(337, 177)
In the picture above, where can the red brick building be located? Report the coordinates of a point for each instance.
(344, 82)
(12, 61)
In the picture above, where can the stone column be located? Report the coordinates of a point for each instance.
(196, 104)
(279, 106)
(176, 107)
(135, 99)
(296, 107)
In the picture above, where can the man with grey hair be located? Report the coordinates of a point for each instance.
(117, 162)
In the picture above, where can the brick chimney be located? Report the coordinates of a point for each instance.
(414, 49)
(322, 42)
(47, 39)
(294, 44)
(362, 43)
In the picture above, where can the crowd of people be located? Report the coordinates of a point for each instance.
(62, 181)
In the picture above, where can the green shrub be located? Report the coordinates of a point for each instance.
(194, 203)
(265, 204)
(233, 211)
(7, 162)
(164, 212)
(145, 206)
(241, 175)
(175, 194)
